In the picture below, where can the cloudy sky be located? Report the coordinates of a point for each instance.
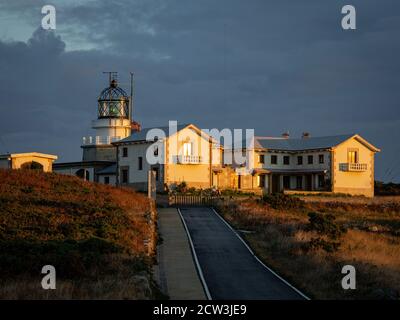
(273, 66)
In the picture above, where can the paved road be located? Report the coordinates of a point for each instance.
(229, 269)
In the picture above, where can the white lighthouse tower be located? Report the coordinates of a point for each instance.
(113, 123)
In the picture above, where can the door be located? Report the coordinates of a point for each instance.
(275, 183)
(309, 182)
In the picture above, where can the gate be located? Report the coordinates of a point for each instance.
(191, 200)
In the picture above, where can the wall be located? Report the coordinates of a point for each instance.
(73, 170)
(356, 183)
(112, 177)
(99, 153)
(4, 164)
(17, 162)
(195, 175)
(132, 162)
(112, 127)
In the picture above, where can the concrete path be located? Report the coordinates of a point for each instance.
(229, 268)
(176, 273)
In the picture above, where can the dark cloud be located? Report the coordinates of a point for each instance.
(268, 65)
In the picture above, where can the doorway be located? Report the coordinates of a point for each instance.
(309, 182)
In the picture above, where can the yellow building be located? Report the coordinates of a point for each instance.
(31, 160)
(186, 154)
(339, 164)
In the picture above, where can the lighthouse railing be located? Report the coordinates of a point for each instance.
(99, 140)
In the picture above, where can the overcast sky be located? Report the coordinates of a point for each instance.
(273, 66)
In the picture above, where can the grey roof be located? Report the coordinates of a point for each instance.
(108, 170)
(141, 135)
(298, 144)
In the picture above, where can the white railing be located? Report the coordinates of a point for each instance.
(353, 167)
(187, 159)
(98, 140)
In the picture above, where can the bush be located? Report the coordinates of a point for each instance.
(328, 230)
(324, 224)
(283, 201)
(181, 188)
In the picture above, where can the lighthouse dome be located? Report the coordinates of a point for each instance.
(113, 102)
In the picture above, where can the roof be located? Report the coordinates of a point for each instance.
(311, 143)
(29, 154)
(109, 170)
(82, 164)
(141, 135)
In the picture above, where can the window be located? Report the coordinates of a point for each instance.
(286, 160)
(321, 181)
(274, 159)
(140, 163)
(299, 160)
(261, 180)
(261, 158)
(310, 159)
(124, 175)
(106, 180)
(187, 149)
(156, 150)
(125, 152)
(321, 158)
(299, 182)
(286, 182)
(352, 156)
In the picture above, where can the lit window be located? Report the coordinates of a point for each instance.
(187, 149)
(261, 181)
(352, 156)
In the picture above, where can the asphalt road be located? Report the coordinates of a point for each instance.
(229, 269)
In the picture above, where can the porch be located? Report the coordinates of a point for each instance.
(281, 180)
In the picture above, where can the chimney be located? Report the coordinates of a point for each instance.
(305, 135)
(286, 135)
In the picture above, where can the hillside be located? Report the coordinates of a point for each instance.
(308, 240)
(94, 235)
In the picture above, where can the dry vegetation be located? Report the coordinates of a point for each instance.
(93, 234)
(280, 234)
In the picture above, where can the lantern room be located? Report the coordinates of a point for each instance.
(113, 102)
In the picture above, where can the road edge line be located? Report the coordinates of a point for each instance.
(258, 259)
(196, 260)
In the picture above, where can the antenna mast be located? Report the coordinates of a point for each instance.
(131, 99)
(112, 75)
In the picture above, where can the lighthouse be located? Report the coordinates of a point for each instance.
(113, 123)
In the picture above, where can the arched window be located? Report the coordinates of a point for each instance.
(32, 165)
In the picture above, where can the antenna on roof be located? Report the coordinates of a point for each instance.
(131, 99)
(112, 76)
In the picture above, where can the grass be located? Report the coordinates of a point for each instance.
(94, 235)
(371, 243)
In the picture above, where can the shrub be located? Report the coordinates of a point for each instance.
(181, 188)
(328, 230)
(324, 224)
(283, 201)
